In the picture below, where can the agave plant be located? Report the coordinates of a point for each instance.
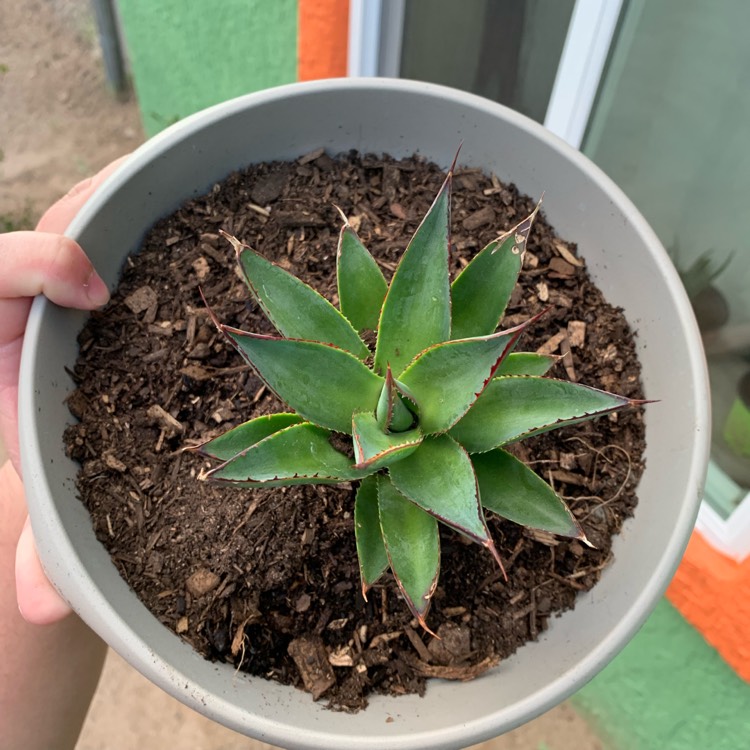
(430, 411)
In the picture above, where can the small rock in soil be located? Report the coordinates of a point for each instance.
(202, 582)
(453, 646)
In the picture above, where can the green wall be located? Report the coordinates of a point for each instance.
(189, 54)
(668, 690)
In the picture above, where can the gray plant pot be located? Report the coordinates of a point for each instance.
(625, 259)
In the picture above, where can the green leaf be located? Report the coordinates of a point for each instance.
(243, 436)
(446, 379)
(512, 408)
(300, 454)
(374, 449)
(362, 287)
(295, 309)
(526, 363)
(413, 546)
(482, 290)
(439, 478)
(373, 559)
(416, 311)
(324, 384)
(512, 490)
(391, 412)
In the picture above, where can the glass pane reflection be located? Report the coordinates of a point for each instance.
(671, 126)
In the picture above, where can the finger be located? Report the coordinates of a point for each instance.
(33, 263)
(9, 407)
(50, 264)
(38, 601)
(59, 215)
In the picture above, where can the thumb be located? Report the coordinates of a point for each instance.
(38, 601)
(50, 264)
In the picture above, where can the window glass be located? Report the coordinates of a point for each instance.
(671, 126)
(505, 50)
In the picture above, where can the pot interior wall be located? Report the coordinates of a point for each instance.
(626, 261)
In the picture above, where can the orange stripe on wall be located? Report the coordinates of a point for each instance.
(713, 594)
(322, 38)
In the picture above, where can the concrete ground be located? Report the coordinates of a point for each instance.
(58, 123)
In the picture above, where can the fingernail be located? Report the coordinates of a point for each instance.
(96, 289)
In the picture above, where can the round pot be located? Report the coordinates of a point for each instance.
(625, 259)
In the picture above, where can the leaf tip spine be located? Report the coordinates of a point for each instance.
(455, 158)
(211, 314)
(423, 624)
(583, 538)
(343, 217)
(490, 545)
(234, 242)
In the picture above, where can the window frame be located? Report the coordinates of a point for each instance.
(375, 43)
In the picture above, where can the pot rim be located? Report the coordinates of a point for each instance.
(486, 726)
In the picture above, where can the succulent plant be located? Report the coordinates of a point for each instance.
(429, 413)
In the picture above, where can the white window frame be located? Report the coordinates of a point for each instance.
(375, 33)
(590, 34)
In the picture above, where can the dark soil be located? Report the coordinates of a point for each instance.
(267, 580)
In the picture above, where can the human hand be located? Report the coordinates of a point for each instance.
(39, 262)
